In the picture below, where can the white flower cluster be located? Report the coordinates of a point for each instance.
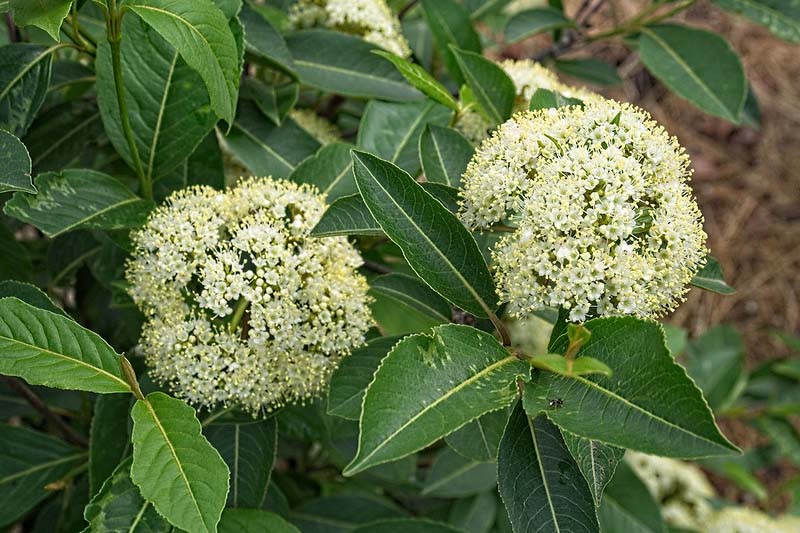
(528, 77)
(680, 488)
(371, 20)
(242, 307)
(318, 127)
(744, 520)
(600, 212)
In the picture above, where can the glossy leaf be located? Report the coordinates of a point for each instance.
(711, 278)
(402, 301)
(168, 445)
(199, 31)
(597, 462)
(44, 348)
(347, 215)
(30, 294)
(60, 136)
(489, 83)
(480, 439)
(168, 104)
(24, 79)
(45, 14)
(435, 244)
(444, 154)
(454, 476)
(274, 101)
(533, 21)
(29, 461)
(109, 441)
(15, 165)
(475, 515)
(698, 65)
(419, 78)
(342, 513)
(591, 70)
(429, 386)
(330, 170)
(715, 362)
(541, 485)
(648, 404)
(264, 42)
(406, 525)
(343, 64)
(254, 521)
(248, 449)
(450, 24)
(78, 199)
(354, 374)
(628, 505)
(558, 364)
(782, 17)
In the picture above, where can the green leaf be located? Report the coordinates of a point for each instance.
(480, 439)
(533, 21)
(44, 348)
(406, 525)
(476, 514)
(204, 167)
(330, 170)
(628, 505)
(248, 449)
(175, 466)
(559, 364)
(444, 154)
(110, 439)
(264, 42)
(15, 262)
(591, 70)
(30, 294)
(419, 78)
(648, 404)
(342, 513)
(711, 278)
(199, 31)
(119, 507)
(489, 83)
(429, 386)
(60, 136)
(435, 244)
(254, 521)
(78, 199)
(450, 24)
(354, 374)
(404, 304)
(348, 215)
(45, 14)
(168, 105)
(24, 79)
(392, 130)
(454, 476)
(274, 101)
(716, 363)
(15, 165)
(597, 462)
(29, 461)
(546, 99)
(541, 485)
(266, 149)
(782, 17)
(698, 65)
(335, 62)
(783, 434)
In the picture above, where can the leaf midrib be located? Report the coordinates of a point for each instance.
(27, 68)
(42, 466)
(96, 214)
(410, 301)
(354, 73)
(160, 118)
(542, 472)
(412, 127)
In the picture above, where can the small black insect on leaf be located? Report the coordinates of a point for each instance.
(556, 403)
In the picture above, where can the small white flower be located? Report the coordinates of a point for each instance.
(318, 127)
(600, 223)
(241, 306)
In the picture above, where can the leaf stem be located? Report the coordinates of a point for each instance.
(238, 313)
(114, 32)
(641, 20)
(130, 377)
(501, 328)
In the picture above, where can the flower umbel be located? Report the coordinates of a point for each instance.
(602, 212)
(242, 307)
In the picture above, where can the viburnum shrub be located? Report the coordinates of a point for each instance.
(326, 265)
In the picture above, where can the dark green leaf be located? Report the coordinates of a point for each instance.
(480, 439)
(435, 244)
(716, 363)
(248, 449)
(429, 386)
(78, 199)
(783, 434)
(751, 112)
(591, 70)
(454, 476)
(597, 462)
(546, 99)
(204, 167)
(44, 348)
(15, 165)
(30, 460)
(533, 21)
(450, 24)
(404, 304)
(698, 65)
(45, 14)
(711, 278)
(15, 262)
(489, 83)
(343, 64)
(354, 374)
(110, 439)
(648, 404)
(541, 485)
(419, 78)
(200, 33)
(24, 79)
(406, 525)
(30, 294)
(782, 17)
(272, 100)
(444, 154)
(628, 505)
(254, 521)
(264, 42)
(168, 445)
(168, 104)
(476, 514)
(330, 170)
(348, 215)
(342, 514)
